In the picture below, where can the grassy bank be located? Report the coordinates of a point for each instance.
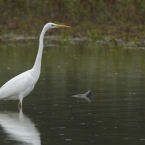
(93, 18)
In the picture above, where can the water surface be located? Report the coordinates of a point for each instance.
(115, 75)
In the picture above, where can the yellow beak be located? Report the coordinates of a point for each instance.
(62, 26)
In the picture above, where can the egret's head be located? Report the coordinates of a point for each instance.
(53, 25)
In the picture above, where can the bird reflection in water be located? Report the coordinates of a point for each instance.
(19, 127)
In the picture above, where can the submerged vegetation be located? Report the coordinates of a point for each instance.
(92, 18)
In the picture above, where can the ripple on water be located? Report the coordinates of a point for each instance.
(143, 139)
(68, 139)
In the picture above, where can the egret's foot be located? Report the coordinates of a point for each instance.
(19, 106)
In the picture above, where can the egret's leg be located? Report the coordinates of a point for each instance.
(19, 106)
(20, 101)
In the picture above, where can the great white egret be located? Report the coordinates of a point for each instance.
(20, 86)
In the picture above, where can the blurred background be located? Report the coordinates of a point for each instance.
(117, 18)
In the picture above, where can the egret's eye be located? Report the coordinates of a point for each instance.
(52, 25)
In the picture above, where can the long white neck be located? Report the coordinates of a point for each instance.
(37, 66)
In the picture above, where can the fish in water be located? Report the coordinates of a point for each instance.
(88, 96)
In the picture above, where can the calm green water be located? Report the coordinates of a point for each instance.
(52, 117)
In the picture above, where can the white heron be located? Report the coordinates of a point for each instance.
(20, 86)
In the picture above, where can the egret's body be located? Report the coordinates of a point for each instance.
(21, 85)
(18, 87)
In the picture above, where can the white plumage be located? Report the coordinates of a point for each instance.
(21, 85)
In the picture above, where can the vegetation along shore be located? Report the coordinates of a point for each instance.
(92, 18)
